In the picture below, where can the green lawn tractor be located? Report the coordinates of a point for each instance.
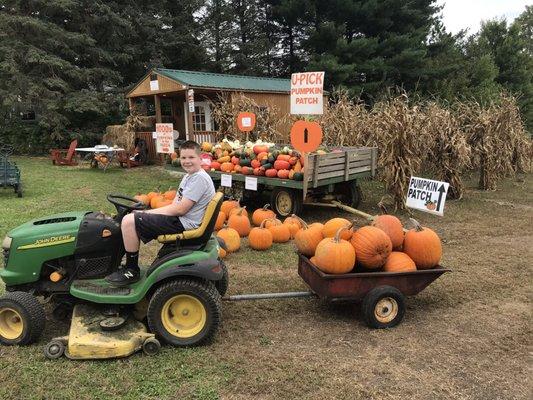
(64, 258)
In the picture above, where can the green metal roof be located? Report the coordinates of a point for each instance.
(224, 81)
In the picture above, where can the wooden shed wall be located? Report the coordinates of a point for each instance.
(165, 85)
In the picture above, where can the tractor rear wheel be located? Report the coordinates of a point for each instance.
(22, 318)
(185, 312)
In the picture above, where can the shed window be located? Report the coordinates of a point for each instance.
(199, 119)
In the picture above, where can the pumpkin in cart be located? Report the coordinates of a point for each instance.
(392, 226)
(261, 214)
(260, 238)
(231, 238)
(239, 221)
(423, 245)
(307, 238)
(335, 255)
(333, 225)
(372, 246)
(399, 262)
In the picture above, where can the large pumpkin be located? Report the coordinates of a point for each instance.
(227, 205)
(260, 238)
(240, 210)
(392, 226)
(231, 238)
(240, 222)
(423, 246)
(372, 246)
(261, 214)
(307, 238)
(333, 225)
(335, 255)
(399, 262)
(280, 233)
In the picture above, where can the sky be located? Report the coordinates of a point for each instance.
(468, 14)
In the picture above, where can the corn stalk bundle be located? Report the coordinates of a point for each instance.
(403, 142)
(450, 154)
(124, 135)
(497, 137)
(226, 109)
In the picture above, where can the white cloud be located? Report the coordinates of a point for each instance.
(468, 14)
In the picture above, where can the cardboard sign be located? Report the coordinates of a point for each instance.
(246, 121)
(250, 183)
(307, 94)
(190, 99)
(164, 138)
(225, 180)
(154, 85)
(306, 136)
(427, 195)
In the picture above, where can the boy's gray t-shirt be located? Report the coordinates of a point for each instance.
(199, 188)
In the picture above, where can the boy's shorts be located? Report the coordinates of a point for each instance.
(150, 226)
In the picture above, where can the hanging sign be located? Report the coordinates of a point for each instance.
(164, 138)
(307, 94)
(246, 121)
(306, 136)
(154, 85)
(190, 100)
(250, 183)
(427, 195)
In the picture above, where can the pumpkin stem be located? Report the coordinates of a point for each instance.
(262, 226)
(337, 237)
(304, 224)
(266, 206)
(241, 210)
(416, 224)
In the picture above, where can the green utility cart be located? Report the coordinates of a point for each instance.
(9, 172)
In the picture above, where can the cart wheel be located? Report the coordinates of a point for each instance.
(383, 307)
(222, 284)
(22, 318)
(151, 346)
(185, 312)
(286, 201)
(349, 193)
(54, 349)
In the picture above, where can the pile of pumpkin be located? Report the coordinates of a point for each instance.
(335, 247)
(156, 198)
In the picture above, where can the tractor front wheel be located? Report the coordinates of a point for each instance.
(22, 318)
(185, 312)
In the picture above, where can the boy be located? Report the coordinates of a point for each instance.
(186, 212)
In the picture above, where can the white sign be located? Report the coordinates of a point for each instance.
(190, 99)
(225, 180)
(247, 122)
(154, 85)
(427, 195)
(154, 135)
(164, 138)
(307, 94)
(250, 183)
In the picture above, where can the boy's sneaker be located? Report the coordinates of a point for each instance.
(124, 277)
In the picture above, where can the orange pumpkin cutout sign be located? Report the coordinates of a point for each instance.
(306, 136)
(246, 121)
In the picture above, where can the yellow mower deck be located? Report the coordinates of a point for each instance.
(86, 339)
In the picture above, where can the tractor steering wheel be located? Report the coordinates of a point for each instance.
(123, 209)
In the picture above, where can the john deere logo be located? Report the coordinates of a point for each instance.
(51, 241)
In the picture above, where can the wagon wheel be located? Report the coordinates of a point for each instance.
(383, 307)
(348, 193)
(286, 201)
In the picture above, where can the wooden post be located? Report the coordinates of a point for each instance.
(157, 103)
(131, 103)
(190, 123)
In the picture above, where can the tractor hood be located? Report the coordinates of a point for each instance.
(44, 231)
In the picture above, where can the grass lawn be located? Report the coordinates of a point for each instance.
(467, 336)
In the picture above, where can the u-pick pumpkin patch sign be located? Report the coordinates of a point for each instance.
(306, 136)
(246, 121)
(307, 94)
(427, 195)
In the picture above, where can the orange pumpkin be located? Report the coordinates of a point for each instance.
(283, 174)
(372, 246)
(143, 198)
(333, 225)
(155, 200)
(228, 205)
(335, 255)
(423, 246)
(151, 195)
(280, 232)
(307, 238)
(293, 224)
(247, 170)
(392, 226)
(399, 262)
(222, 253)
(239, 221)
(226, 166)
(215, 165)
(238, 209)
(169, 194)
(261, 214)
(221, 218)
(260, 238)
(231, 238)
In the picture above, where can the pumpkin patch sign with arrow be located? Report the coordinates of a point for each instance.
(427, 195)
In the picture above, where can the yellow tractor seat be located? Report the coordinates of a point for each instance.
(201, 234)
